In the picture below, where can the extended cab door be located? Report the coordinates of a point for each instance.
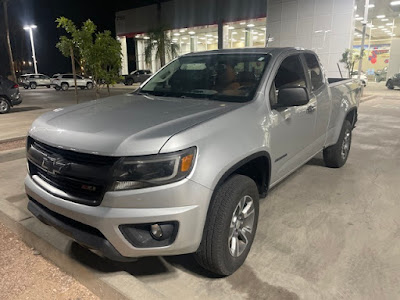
(319, 92)
(292, 129)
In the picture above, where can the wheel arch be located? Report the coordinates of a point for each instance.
(257, 166)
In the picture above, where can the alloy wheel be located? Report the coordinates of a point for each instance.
(241, 226)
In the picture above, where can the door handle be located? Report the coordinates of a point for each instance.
(311, 109)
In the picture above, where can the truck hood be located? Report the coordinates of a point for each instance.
(124, 125)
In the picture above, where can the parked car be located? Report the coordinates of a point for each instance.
(34, 80)
(9, 95)
(179, 166)
(65, 81)
(380, 75)
(363, 77)
(393, 81)
(137, 76)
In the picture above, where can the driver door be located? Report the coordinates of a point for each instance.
(292, 130)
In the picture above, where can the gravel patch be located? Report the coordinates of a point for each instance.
(25, 274)
(13, 145)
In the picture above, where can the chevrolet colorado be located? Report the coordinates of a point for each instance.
(179, 165)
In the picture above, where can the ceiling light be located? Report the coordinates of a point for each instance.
(184, 38)
(242, 38)
(202, 38)
(394, 3)
(231, 27)
(250, 25)
(384, 20)
(371, 6)
(191, 32)
(381, 26)
(242, 23)
(208, 35)
(146, 38)
(177, 34)
(137, 36)
(389, 24)
(359, 18)
(182, 30)
(234, 32)
(380, 16)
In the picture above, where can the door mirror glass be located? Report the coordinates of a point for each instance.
(292, 96)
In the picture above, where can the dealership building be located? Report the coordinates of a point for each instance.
(328, 27)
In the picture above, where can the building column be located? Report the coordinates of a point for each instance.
(124, 53)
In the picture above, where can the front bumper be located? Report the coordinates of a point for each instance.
(185, 202)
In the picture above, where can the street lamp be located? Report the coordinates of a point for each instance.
(30, 27)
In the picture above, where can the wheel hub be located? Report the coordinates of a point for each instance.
(241, 226)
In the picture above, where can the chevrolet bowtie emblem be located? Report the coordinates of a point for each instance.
(55, 165)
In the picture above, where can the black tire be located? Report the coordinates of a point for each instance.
(89, 85)
(390, 85)
(336, 155)
(64, 86)
(57, 88)
(4, 106)
(48, 86)
(214, 253)
(130, 81)
(82, 87)
(33, 85)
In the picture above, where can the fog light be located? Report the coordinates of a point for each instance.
(156, 231)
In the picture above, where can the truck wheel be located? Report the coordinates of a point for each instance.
(32, 85)
(390, 85)
(57, 88)
(4, 106)
(64, 86)
(230, 226)
(336, 155)
(26, 87)
(89, 85)
(130, 81)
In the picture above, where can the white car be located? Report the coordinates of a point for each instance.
(65, 81)
(34, 80)
(363, 77)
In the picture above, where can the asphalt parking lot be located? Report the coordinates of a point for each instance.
(38, 101)
(322, 234)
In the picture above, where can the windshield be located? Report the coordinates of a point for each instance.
(221, 77)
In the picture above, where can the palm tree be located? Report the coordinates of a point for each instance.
(10, 56)
(162, 44)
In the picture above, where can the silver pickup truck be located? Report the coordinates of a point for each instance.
(179, 165)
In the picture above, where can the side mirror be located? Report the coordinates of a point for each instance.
(293, 96)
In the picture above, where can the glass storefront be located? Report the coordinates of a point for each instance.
(382, 27)
(240, 34)
(246, 33)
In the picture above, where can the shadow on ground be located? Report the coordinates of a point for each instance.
(26, 108)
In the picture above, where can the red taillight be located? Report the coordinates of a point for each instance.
(15, 86)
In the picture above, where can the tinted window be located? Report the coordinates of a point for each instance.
(141, 72)
(68, 76)
(221, 77)
(290, 74)
(314, 71)
(78, 77)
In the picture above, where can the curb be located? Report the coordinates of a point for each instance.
(367, 98)
(59, 249)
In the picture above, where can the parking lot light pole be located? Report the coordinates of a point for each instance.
(29, 28)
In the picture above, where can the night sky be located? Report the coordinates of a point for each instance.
(43, 14)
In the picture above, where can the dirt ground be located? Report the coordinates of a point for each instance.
(13, 145)
(25, 274)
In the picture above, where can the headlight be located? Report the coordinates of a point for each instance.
(153, 170)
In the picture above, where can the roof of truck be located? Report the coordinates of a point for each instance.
(244, 50)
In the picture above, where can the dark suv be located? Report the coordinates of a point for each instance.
(393, 81)
(137, 76)
(9, 95)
